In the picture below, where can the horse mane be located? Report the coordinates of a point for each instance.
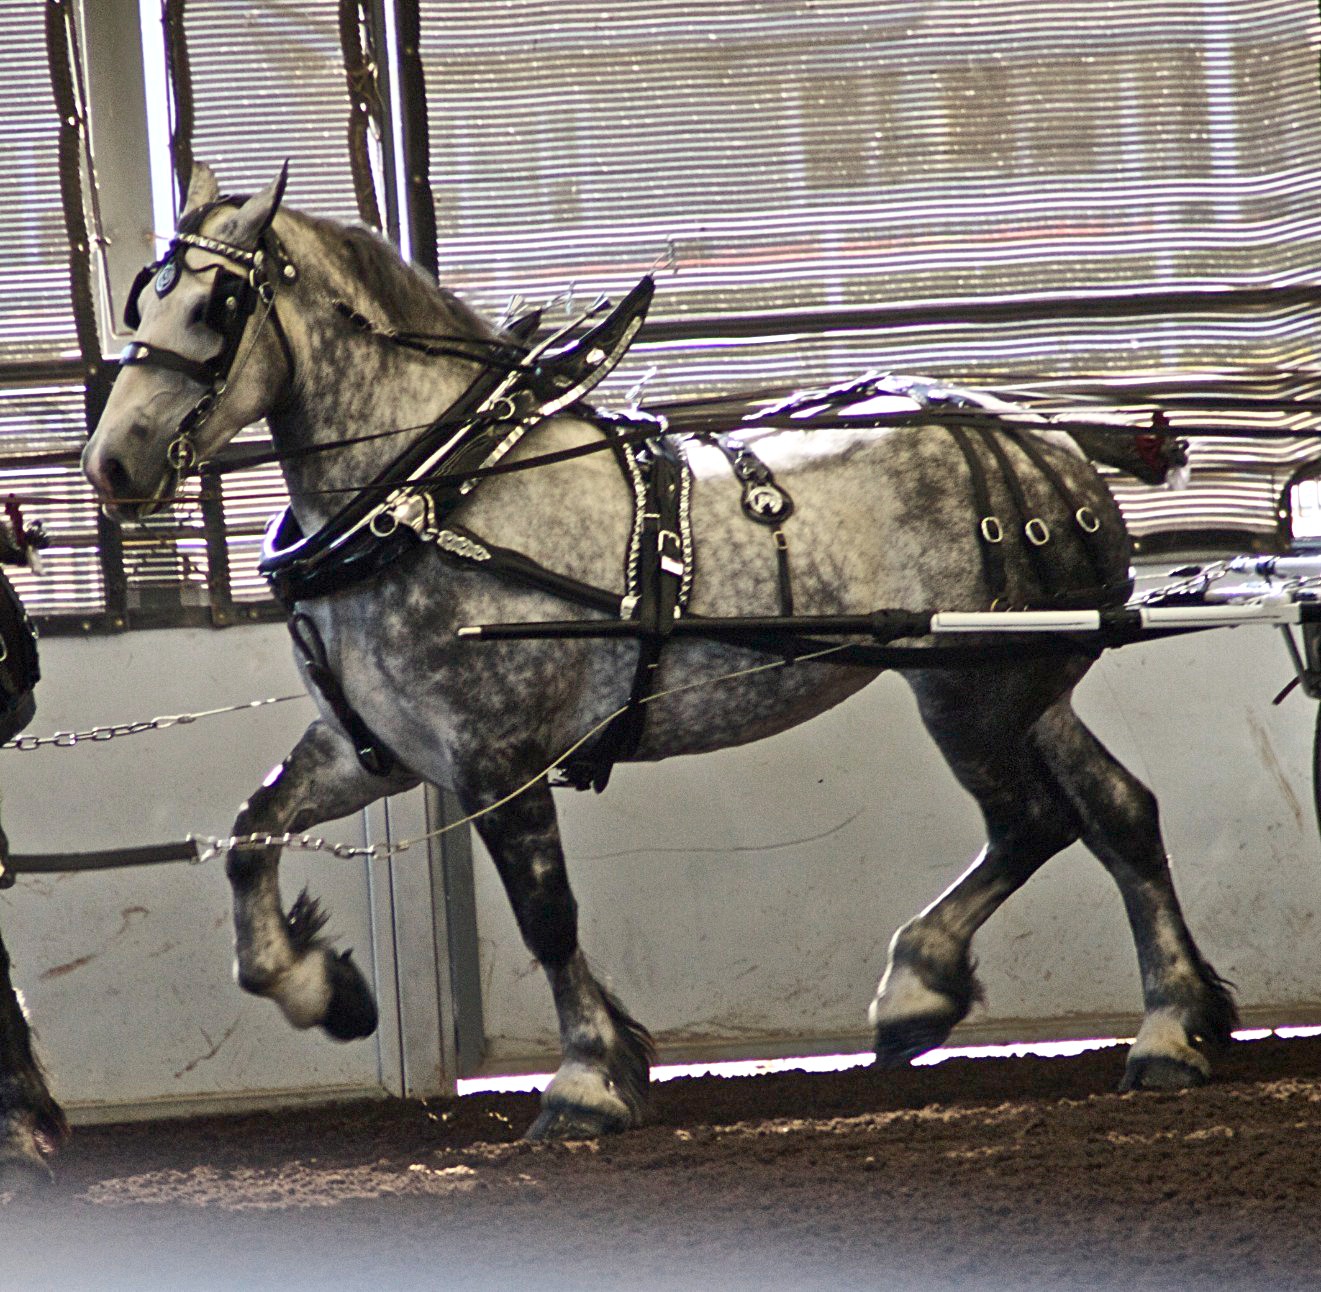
(404, 294)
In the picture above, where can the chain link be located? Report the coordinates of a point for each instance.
(210, 846)
(112, 731)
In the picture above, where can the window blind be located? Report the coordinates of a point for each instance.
(42, 420)
(971, 190)
(267, 84)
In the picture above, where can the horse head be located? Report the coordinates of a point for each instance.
(208, 357)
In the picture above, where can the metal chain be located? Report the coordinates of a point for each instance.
(67, 739)
(212, 846)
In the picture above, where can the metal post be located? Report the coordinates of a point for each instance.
(455, 910)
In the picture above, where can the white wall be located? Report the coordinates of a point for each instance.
(742, 900)
(749, 896)
(127, 973)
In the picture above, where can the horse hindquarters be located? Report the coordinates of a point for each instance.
(1043, 780)
(30, 1119)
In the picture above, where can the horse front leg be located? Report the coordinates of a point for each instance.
(31, 1122)
(601, 1084)
(284, 957)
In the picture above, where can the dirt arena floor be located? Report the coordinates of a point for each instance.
(975, 1174)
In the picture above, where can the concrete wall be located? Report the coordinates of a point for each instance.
(742, 898)
(739, 901)
(128, 973)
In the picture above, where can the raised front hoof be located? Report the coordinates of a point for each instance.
(1159, 1072)
(560, 1120)
(900, 1041)
(351, 1013)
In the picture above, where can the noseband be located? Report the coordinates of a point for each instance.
(233, 301)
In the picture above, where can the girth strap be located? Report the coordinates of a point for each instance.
(768, 503)
(373, 753)
(662, 571)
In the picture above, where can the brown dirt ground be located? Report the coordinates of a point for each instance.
(977, 1174)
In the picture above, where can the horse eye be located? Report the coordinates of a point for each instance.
(196, 313)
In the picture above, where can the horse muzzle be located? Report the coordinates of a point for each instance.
(122, 496)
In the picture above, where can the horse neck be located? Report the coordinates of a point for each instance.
(357, 387)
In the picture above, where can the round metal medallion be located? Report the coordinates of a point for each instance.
(166, 279)
(764, 500)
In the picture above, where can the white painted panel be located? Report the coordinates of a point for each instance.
(128, 973)
(748, 897)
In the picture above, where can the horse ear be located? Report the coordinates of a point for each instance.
(202, 188)
(254, 217)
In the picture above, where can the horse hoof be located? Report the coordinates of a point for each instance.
(1156, 1072)
(351, 1013)
(901, 1041)
(20, 1173)
(563, 1121)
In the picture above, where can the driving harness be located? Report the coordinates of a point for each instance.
(518, 386)
(234, 299)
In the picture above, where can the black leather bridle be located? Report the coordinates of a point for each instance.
(234, 299)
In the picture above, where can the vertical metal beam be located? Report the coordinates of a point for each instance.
(412, 160)
(366, 69)
(116, 85)
(219, 590)
(455, 912)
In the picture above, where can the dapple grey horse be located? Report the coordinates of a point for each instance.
(882, 519)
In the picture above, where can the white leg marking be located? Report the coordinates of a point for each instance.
(577, 1084)
(303, 991)
(902, 995)
(1162, 1036)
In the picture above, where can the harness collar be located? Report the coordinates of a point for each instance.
(475, 432)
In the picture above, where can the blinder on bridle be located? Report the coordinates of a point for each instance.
(233, 300)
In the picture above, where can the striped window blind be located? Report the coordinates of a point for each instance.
(41, 392)
(268, 86)
(986, 192)
(1093, 205)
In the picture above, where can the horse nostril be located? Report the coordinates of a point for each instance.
(109, 476)
(117, 478)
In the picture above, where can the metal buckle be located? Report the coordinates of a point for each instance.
(1087, 520)
(670, 562)
(181, 454)
(992, 530)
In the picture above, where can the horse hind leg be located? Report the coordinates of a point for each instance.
(929, 984)
(1188, 1009)
(601, 1084)
(285, 957)
(32, 1124)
